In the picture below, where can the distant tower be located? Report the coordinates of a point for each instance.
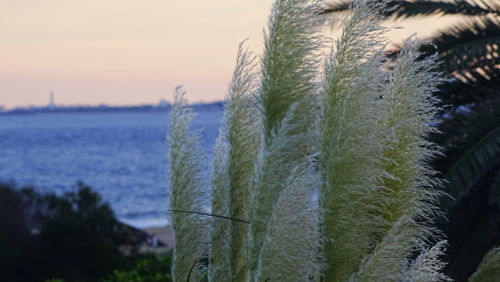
(163, 103)
(52, 101)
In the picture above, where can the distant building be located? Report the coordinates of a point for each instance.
(163, 104)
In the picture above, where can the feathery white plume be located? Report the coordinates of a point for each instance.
(353, 139)
(288, 104)
(187, 194)
(291, 246)
(428, 266)
(234, 166)
(361, 144)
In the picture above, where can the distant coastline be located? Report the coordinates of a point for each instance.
(106, 108)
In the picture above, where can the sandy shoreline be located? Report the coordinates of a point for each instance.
(164, 233)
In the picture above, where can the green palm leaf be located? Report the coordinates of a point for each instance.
(469, 50)
(471, 142)
(469, 45)
(407, 9)
(474, 225)
(468, 245)
(470, 57)
(489, 269)
(472, 163)
(458, 92)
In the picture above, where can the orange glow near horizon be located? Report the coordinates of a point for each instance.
(124, 52)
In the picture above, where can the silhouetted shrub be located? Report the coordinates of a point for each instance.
(151, 269)
(74, 237)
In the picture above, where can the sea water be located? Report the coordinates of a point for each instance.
(120, 155)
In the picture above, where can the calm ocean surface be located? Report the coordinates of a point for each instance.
(121, 155)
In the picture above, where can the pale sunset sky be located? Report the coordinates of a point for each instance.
(124, 52)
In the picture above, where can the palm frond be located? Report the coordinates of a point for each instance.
(489, 269)
(472, 226)
(401, 9)
(186, 193)
(472, 164)
(469, 45)
(470, 58)
(236, 152)
(465, 253)
(494, 195)
(471, 142)
(467, 92)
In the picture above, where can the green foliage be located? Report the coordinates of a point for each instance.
(401, 9)
(16, 241)
(74, 237)
(472, 144)
(471, 167)
(489, 269)
(152, 269)
(85, 226)
(469, 45)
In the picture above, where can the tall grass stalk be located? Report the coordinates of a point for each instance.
(411, 114)
(187, 193)
(289, 63)
(232, 187)
(291, 246)
(287, 102)
(317, 181)
(353, 139)
(411, 192)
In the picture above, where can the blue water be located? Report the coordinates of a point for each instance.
(121, 155)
